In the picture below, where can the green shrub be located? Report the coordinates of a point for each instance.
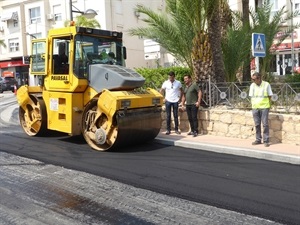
(155, 77)
(293, 78)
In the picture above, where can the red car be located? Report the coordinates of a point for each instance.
(8, 84)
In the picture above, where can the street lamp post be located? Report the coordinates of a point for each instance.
(89, 13)
(292, 37)
(31, 35)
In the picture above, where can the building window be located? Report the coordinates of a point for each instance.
(57, 12)
(274, 4)
(119, 8)
(13, 45)
(274, 9)
(16, 23)
(296, 4)
(35, 15)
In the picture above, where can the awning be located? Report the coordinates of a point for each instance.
(12, 64)
(9, 16)
(285, 46)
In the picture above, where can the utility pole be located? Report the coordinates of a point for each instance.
(292, 37)
(89, 13)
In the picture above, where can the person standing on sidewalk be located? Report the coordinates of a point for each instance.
(172, 90)
(260, 93)
(192, 96)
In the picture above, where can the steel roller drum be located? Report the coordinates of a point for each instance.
(137, 126)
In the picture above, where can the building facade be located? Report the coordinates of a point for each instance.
(24, 20)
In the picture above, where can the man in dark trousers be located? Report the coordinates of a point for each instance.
(172, 90)
(260, 93)
(191, 97)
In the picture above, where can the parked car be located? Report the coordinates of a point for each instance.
(8, 84)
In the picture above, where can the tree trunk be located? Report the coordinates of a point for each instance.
(246, 69)
(215, 39)
(201, 55)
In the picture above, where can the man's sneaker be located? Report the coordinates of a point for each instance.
(177, 132)
(266, 144)
(190, 133)
(256, 143)
(168, 132)
(195, 134)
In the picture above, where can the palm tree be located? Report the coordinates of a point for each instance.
(236, 49)
(214, 9)
(245, 76)
(201, 48)
(2, 43)
(82, 21)
(211, 65)
(183, 32)
(171, 31)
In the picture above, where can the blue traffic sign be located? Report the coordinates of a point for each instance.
(258, 45)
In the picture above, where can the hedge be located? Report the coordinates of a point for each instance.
(155, 77)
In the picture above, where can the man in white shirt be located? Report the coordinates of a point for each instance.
(172, 90)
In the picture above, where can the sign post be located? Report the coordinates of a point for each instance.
(258, 48)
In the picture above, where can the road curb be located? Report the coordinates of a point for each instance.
(271, 156)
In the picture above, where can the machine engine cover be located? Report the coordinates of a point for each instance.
(114, 77)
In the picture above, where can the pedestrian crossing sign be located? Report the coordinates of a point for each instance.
(258, 45)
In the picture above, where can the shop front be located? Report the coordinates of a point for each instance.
(282, 63)
(16, 69)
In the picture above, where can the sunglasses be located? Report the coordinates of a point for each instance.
(254, 79)
(172, 86)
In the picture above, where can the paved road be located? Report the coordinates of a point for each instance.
(188, 182)
(33, 192)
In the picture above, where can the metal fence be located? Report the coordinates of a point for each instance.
(285, 99)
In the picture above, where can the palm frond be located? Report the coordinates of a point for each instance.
(2, 43)
(170, 32)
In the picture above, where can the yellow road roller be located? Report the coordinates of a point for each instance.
(82, 87)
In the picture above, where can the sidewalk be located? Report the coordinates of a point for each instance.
(279, 152)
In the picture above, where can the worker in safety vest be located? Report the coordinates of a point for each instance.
(260, 93)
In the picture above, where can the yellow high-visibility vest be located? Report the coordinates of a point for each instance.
(260, 98)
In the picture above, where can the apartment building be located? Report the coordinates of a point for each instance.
(24, 20)
(289, 50)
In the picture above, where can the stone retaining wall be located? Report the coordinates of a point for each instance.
(284, 128)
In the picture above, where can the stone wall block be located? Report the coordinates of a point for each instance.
(291, 139)
(183, 115)
(214, 116)
(226, 118)
(234, 130)
(296, 119)
(184, 126)
(220, 127)
(247, 132)
(276, 125)
(297, 128)
(238, 119)
(205, 126)
(278, 135)
(288, 127)
(204, 115)
(249, 119)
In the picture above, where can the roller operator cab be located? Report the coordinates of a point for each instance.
(84, 88)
